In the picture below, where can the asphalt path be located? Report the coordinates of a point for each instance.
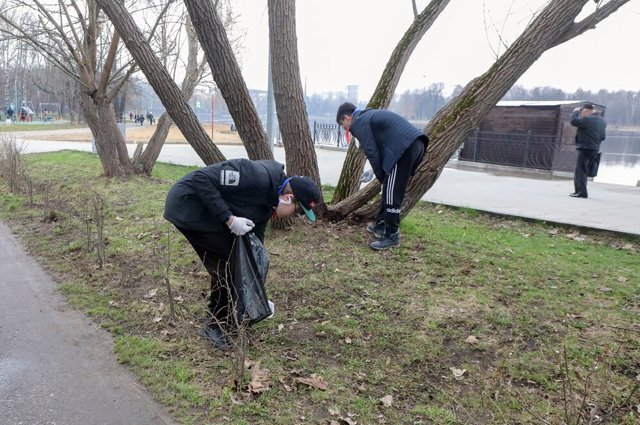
(56, 367)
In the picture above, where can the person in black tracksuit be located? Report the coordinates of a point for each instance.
(212, 204)
(590, 133)
(394, 148)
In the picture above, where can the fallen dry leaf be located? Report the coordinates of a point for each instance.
(315, 381)
(622, 279)
(152, 293)
(458, 373)
(387, 400)
(471, 339)
(576, 237)
(260, 379)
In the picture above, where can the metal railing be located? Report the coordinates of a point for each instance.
(329, 135)
(513, 149)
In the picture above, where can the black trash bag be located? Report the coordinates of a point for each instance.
(594, 164)
(249, 276)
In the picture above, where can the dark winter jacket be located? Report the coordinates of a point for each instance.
(591, 131)
(206, 198)
(384, 136)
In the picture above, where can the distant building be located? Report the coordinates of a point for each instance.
(531, 134)
(352, 93)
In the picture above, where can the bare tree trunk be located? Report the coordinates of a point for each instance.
(287, 89)
(457, 120)
(300, 153)
(228, 77)
(354, 162)
(162, 82)
(145, 163)
(110, 144)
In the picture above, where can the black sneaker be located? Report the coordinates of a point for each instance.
(215, 336)
(377, 229)
(388, 241)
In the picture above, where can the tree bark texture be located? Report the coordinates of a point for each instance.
(162, 83)
(354, 162)
(110, 144)
(227, 75)
(287, 89)
(458, 119)
(145, 162)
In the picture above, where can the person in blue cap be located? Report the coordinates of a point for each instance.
(211, 205)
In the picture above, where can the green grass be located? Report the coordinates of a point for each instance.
(370, 324)
(6, 128)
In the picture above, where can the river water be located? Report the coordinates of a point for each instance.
(620, 163)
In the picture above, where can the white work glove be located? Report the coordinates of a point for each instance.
(240, 225)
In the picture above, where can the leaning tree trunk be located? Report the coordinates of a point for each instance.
(162, 83)
(145, 162)
(110, 144)
(228, 77)
(354, 162)
(457, 120)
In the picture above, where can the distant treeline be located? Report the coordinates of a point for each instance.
(622, 106)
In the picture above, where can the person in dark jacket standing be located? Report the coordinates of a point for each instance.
(394, 148)
(590, 133)
(212, 204)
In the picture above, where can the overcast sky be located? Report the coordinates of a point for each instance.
(342, 42)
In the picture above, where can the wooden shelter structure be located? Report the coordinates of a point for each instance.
(531, 134)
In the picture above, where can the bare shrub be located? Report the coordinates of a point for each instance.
(28, 187)
(167, 281)
(235, 332)
(11, 164)
(94, 218)
(587, 395)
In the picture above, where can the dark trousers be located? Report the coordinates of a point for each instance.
(215, 251)
(585, 156)
(395, 184)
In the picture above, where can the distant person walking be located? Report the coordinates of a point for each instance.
(591, 132)
(10, 113)
(394, 148)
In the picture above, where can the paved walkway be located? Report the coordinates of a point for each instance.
(609, 207)
(56, 367)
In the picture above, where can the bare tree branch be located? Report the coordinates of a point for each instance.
(108, 64)
(590, 22)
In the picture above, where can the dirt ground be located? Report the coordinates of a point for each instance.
(136, 133)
